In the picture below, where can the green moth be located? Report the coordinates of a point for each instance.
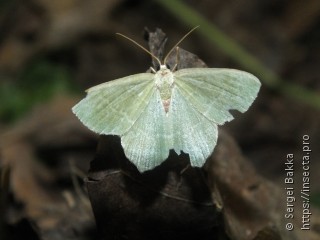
(167, 109)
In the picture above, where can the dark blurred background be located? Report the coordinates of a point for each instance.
(51, 51)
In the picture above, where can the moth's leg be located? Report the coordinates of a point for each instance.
(152, 70)
(178, 55)
(177, 59)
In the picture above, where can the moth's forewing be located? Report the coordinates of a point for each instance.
(113, 107)
(215, 91)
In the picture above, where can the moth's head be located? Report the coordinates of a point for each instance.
(164, 67)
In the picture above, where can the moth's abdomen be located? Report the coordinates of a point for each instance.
(164, 83)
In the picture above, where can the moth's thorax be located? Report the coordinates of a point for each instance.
(164, 82)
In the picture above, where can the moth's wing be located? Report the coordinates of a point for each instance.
(202, 99)
(147, 144)
(215, 91)
(113, 107)
(193, 132)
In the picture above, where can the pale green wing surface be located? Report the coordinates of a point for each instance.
(113, 107)
(213, 92)
(147, 144)
(193, 133)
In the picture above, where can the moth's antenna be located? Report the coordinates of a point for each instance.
(143, 48)
(165, 59)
